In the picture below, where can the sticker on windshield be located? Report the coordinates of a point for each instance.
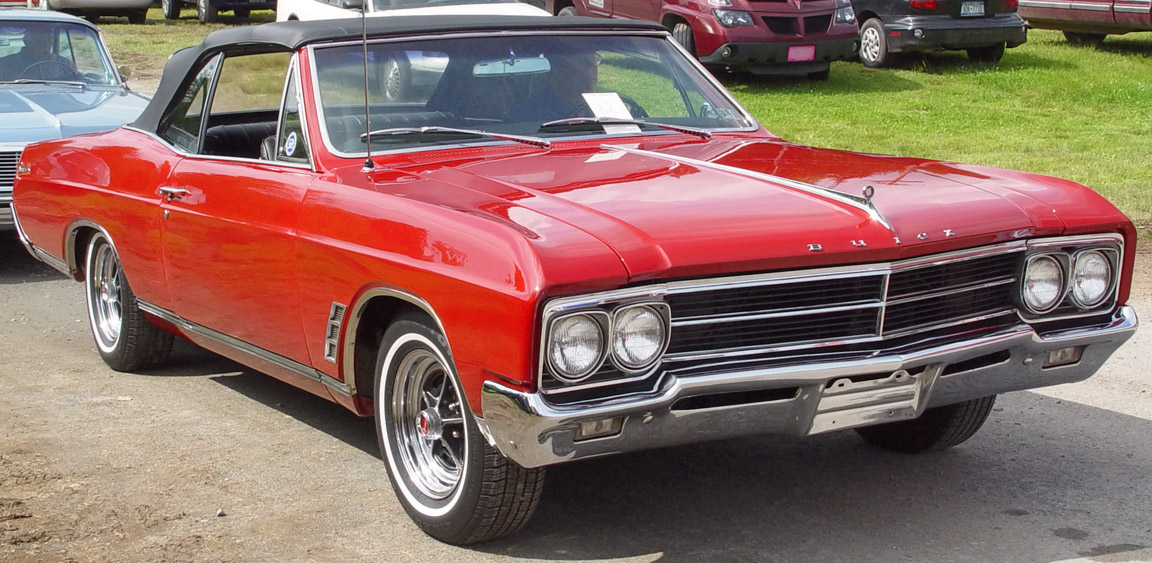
(290, 144)
(609, 105)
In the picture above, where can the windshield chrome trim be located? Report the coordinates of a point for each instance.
(705, 75)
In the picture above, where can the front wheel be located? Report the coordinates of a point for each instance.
(874, 45)
(938, 428)
(989, 54)
(171, 9)
(451, 482)
(1084, 39)
(682, 33)
(206, 12)
(126, 339)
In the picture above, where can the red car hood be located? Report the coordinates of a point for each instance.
(700, 208)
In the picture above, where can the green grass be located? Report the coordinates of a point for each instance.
(1078, 113)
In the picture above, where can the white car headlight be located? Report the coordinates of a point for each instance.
(576, 347)
(1043, 285)
(638, 336)
(1091, 278)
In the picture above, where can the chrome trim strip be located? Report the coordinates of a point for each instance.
(48, 259)
(352, 316)
(1073, 240)
(197, 156)
(244, 347)
(779, 315)
(933, 294)
(1131, 9)
(1045, 4)
(758, 350)
(1091, 7)
(939, 326)
(960, 255)
(775, 278)
(857, 202)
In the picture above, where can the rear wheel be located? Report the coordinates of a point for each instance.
(126, 339)
(451, 482)
(568, 11)
(682, 33)
(939, 428)
(171, 9)
(873, 45)
(206, 12)
(989, 54)
(1085, 39)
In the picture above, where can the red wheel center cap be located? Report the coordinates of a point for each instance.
(429, 425)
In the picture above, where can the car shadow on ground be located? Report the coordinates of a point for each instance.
(832, 498)
(1140, 48)
(956, 62)
(1038, 480)
(17, 266)
(839, 81)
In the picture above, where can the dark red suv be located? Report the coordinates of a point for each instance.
(761, 36)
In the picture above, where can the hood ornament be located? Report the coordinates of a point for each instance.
(869, 191)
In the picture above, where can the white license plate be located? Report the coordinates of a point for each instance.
(972, 9)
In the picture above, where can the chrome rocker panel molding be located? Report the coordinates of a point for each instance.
(333, 384)
(535, 433)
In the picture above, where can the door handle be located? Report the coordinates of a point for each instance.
(172, 193)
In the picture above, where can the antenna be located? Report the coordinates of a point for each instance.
(367, 109)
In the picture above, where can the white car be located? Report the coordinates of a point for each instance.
(332, 9)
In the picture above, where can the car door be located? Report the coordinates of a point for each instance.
(637, 9)
(1134, 13)
(229, 217)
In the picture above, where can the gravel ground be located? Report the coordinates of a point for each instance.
(209, 461)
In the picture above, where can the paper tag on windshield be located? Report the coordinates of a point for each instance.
(609, 105)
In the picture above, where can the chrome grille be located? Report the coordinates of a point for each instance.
(841, 307)
(8, 162)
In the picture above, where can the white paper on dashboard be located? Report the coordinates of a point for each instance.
(609, 105)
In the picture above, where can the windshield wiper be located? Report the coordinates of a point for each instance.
(534, 141)
(614, 120)
(41, 81)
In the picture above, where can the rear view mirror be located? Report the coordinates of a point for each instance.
(514, 65)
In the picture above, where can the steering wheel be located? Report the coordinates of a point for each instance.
(634, 108)
(68, 71)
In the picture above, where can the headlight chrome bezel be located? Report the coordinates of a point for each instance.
(663, 312)
(1060, 260)
(1066, 251)
(1110, 286)
(601, 319)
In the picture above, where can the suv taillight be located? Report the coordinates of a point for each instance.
(928, 5)
(1009, 5)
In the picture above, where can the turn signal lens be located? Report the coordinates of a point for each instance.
(638, 336)
(1043, 284)
(1091, 278)
(575, 347)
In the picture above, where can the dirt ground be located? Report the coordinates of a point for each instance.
(209, 461)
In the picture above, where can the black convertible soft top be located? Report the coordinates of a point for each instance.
(291, 35)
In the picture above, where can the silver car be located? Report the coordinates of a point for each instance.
(56, 80)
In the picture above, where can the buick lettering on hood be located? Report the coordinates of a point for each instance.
(564, 240)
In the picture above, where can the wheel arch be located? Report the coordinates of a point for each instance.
(372, 312)
(560, 5)
(80, 233)
(868, 15)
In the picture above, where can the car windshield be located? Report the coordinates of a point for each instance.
(52, 52)
(541, 86)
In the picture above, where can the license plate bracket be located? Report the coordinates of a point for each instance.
(799, 53)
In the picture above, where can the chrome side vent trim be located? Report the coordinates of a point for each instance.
(335, 318)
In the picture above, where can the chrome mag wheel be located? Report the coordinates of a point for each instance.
(870, 43)
(428, 424)
(105, 297)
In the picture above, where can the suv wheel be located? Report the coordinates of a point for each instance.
(682, 33)
(206, 12)
(171, 9)
(873, 45)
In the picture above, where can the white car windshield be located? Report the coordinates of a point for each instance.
(541, 86)
(40, 51)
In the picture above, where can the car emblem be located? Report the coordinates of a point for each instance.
(922, 236)
(815, 248)
(859, 243)
(949, 233)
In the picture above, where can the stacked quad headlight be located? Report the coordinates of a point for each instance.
(630, 337)
(1067, 277)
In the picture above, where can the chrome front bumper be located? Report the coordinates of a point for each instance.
(830, 396)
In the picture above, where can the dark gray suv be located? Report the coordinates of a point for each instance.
(983, 28)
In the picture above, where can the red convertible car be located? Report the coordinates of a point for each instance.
(573, 243)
